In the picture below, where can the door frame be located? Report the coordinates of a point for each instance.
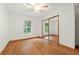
(48, 26)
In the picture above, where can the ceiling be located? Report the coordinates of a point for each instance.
(22, 8)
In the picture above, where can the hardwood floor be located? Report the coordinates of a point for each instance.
(37, 46)
(53, 38)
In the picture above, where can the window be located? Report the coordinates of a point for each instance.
(27, 27)
(46, 27)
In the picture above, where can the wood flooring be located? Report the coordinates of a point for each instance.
(37, 46)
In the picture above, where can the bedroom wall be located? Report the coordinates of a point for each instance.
(17, 26)
(67, 25)
(4, 33)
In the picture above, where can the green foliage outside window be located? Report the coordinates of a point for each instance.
(27, 27)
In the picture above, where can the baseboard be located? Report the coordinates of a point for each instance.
(26, 38)
(50, 35)
(66, 46)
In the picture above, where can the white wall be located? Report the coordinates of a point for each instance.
(67, 25)
(4, 34)
(17, 26)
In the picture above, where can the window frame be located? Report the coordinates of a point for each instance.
(27, 25)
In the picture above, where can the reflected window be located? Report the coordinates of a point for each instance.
(46, 27)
